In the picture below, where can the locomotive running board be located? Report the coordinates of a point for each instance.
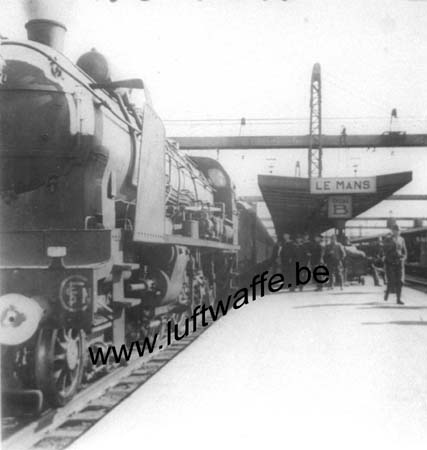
(184, 240)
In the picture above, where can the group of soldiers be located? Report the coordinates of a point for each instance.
(310, 253)
(303, 251)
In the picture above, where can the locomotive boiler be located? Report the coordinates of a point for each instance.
(107, 230)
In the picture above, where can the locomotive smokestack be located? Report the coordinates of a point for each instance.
(46, 21)
(48, 32)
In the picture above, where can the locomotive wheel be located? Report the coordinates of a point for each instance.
(59, 360)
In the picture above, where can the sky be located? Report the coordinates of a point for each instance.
(228, 59)
(253, 58)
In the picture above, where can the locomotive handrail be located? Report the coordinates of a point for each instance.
(203, 208)
(133, 83)
(132, 171)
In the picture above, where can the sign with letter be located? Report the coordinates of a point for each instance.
(340, 207)
(344, 185)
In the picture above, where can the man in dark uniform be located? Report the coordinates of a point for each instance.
(376, 261)
(307, 244)
(302, 255)
(317, 251)
(395, 255)
(287, 257)
(334, 259)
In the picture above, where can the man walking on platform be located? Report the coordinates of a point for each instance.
(376, 262)
(288, 259)
(302, 255)
(395, 255)
(317, 251)
(334, 260)
(307, 244)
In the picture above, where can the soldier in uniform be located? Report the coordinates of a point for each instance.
(307, 244)
(317, 251)
(376, 261)
(395, 254)
(302, 255)
(334, 260)
(288, 258)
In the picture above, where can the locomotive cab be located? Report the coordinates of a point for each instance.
(223, 193)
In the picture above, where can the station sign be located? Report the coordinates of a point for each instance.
(340, 207)
(343, 185)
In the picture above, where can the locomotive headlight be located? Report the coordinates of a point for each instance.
(19, 318)
(56, 252)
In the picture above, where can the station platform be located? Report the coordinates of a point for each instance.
(311, 370)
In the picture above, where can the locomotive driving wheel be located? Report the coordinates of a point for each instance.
(59, 363)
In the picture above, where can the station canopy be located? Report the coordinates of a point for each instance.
(295, 209)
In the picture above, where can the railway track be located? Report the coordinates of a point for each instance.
(58, 428)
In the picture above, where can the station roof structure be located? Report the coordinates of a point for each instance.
(294, 209)
(384, 140)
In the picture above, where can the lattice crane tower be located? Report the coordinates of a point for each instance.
(315, 143)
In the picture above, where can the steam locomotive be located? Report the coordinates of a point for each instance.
(108, 231)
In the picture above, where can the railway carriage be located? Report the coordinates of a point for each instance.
(258, 251)
(416, 244)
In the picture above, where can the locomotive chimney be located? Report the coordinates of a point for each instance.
(46, 21)
(48, 32)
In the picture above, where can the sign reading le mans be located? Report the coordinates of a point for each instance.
(343, 185)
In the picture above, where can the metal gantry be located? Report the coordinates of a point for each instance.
(315, 136)
(285, 142)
